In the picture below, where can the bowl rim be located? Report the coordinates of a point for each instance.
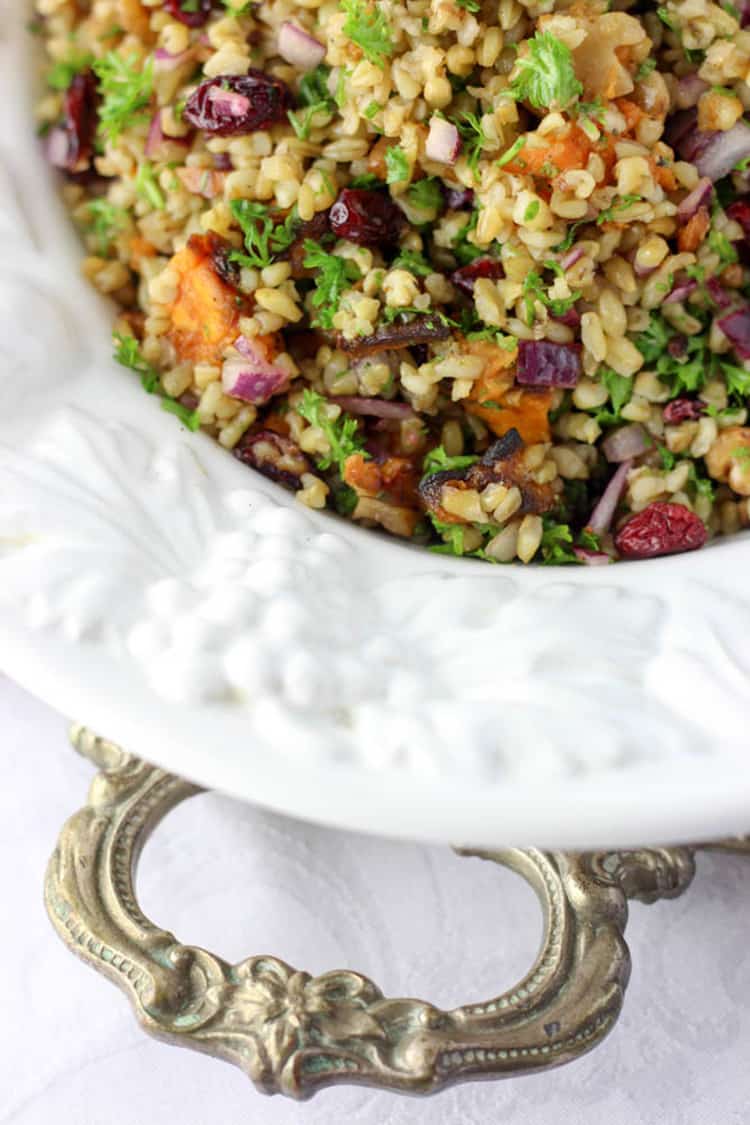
(437, 750)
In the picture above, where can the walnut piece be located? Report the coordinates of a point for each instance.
(728, 459)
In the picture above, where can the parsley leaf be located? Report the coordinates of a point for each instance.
(426, 194)
(147, 187)
(128, 354)
(334, 277)
(302, 121)
(368, 180)
(125, 86)
(341, 433)
(545, 76)
(652, 342)
(469, 5)
(263, 239)
(437, 461)
(720, 244)
(397, 165)
(105, 221)
(366, 26)
(313, 87)
(60, 76)
(466, 252)
(474, 138)
(620, 389)
(512, 152)
(534, 290)
(646, 68)
(737, 379)
(414, 262)
(557, 544)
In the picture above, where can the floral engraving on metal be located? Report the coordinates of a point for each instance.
(293, 1033)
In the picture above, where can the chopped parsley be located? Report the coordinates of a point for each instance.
(557, 544)
(720, 244)
(147, 187)
(737, 379)
(263, 239)
(620, 389)
(341, 433)
(648, 66)
(125, 86)
(545, 76)
(128, 354)
(474, 138)
(105, 221)
(666, 18)
(372, 110)
(414, 262)
(60, 76)
(438, 461)
(684, 373)
(335, 275)
(534, 290)
(313, 87)
(512, 152)
(469, 5)
(367, 26)
(531, 211)
(302, 120)
(466, 252)
(426, 194)
(397, 165)
(369, 180)
(622, 204)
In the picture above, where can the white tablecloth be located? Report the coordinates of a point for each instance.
(418, 920)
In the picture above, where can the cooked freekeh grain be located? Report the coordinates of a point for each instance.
(473, 273)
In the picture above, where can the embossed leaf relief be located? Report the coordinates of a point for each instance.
(230, 598)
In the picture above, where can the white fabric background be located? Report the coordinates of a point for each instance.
(418, 920)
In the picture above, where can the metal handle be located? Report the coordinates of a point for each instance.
(293, 1033)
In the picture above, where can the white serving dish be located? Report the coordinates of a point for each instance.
(172, 599)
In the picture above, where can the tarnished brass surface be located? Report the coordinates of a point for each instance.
(293, 1033)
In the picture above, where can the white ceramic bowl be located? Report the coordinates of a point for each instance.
(155, 588)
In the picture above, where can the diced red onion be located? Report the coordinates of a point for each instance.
(299, 48)
(606, 506)
(377, 407)
(626, 443)
(718, 293)
(443, 141)
(736, 327)
(572, 257)
(57, 147)
(164, 60)
(739, 212)
(250, 376)
(715, 153)
(680, 127)
(201, 181)
(689, 90)
(543, 363)
(591, 558)
(699, 197)
(228, 101)
(155, 135)
(744, 10)
(681, 291)
(457, 199)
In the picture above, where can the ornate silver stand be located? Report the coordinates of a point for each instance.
(292, 1033)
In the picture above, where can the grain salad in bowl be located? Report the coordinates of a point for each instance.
(475, 273)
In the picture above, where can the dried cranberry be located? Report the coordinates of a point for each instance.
(677, 346)
(660, 529)
(193, 13)
(74, 138)
(368, 218)
(465, 277)
(252, 101)
(683, 410)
